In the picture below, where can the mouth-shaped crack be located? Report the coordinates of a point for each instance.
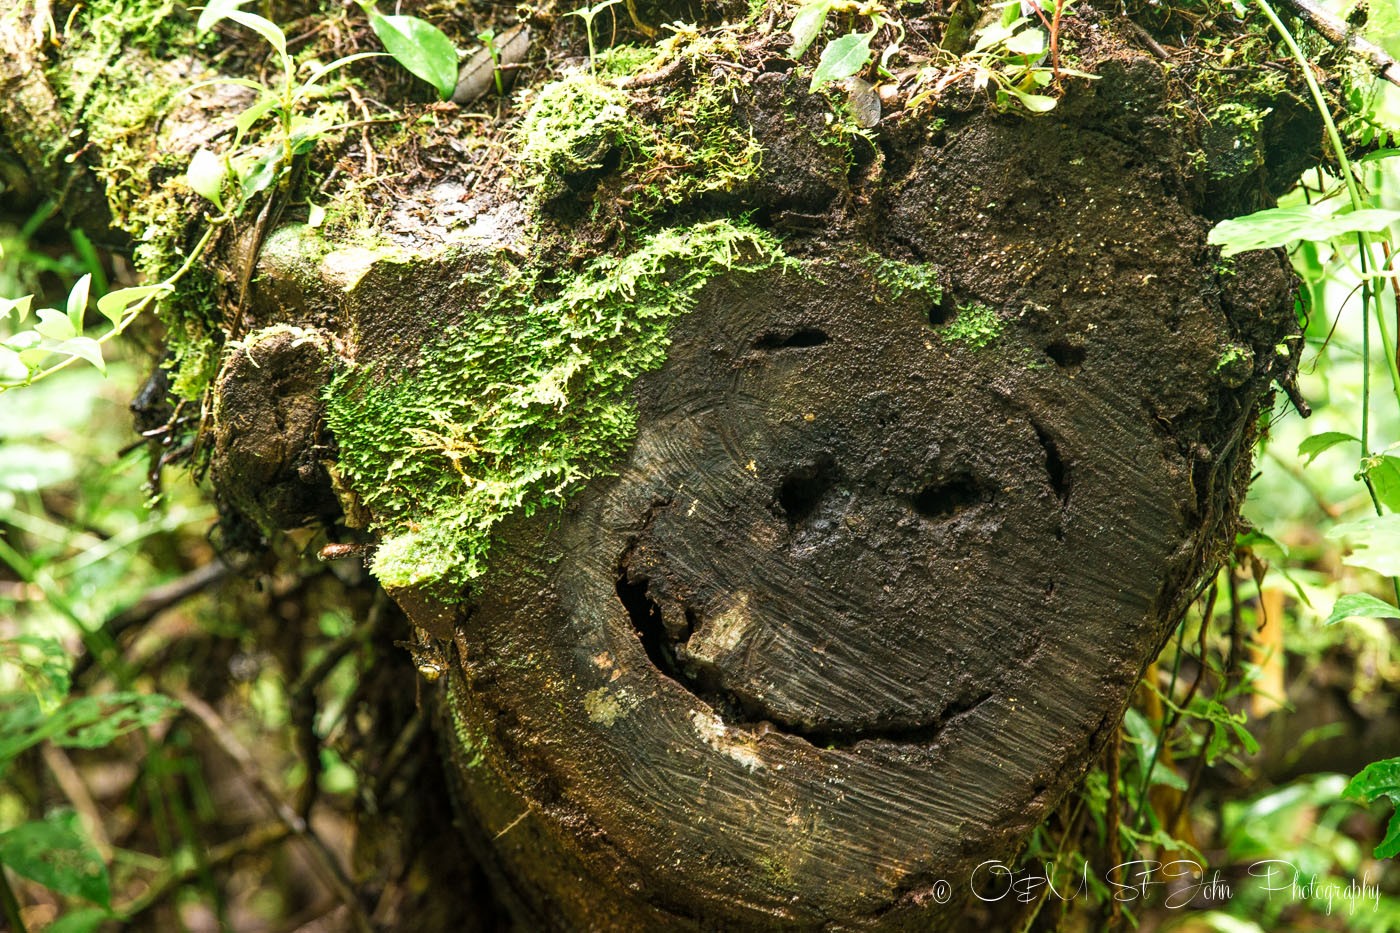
(799, 339)
(666, 652)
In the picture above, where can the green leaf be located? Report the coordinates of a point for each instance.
(420, 47)
(18, 306)
(316, 76)
(1375, 543)
(1280, 226)
(84, 348)
(1318, 443)
(1380, 779)
(266, 102)
(97, 721)
(77, 302)
(206, 175)
(1361, 605)
(12, 368)
(114, 305)
(54, 325)
(263, 27)
(86, 920)
(807, 25)
(261, 174)
(842, 58)
(315, 215)
(84, 722)
(1035, 103)
(57, 853)
(1028, 42)
(42, 664)
(1383, 472)
(214, 11)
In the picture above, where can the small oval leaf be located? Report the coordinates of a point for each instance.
(420, 47)
(206, 175)
(842, 58)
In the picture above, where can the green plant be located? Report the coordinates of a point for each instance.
(488, 39)
(420, 47)
(588, 14)
(1349, 223)
(56, 340)
(56, 851)
(257, 169)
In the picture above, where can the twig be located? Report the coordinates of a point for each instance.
(1339, 34)
(156, 601)
(255, 840)
(1146, 39)
(302, 702)
(73, 787)
(321, 857)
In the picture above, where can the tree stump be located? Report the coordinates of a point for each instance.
(903, 517)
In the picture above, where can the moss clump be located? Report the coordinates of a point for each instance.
(526, 401)
(976, 325)
(119, 76)
(900, 278)
(665, 153)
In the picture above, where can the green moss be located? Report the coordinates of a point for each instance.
(514, 409)
(666, 153)
(901, 278)
(976, 325)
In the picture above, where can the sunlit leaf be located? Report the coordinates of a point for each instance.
(1029, 42)
(1279, 226)
(214, 11)
(263, 27)
(77, 302)
(807, 25)
(114, 305)
(206, 177)
(1383, 472)
(1315, 445)
(1375, 543)
(422, 48)
(842, 58)
(54, 325)
(1361, 605)
(19, 307)
(84, 348)
(1035, 103)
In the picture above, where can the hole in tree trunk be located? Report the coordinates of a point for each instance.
(803, 489)
(1065, 354)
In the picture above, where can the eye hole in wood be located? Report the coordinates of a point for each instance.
(802, 490)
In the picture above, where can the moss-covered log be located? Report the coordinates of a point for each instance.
(790, 498)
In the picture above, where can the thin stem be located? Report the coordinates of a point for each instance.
(9, 905)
